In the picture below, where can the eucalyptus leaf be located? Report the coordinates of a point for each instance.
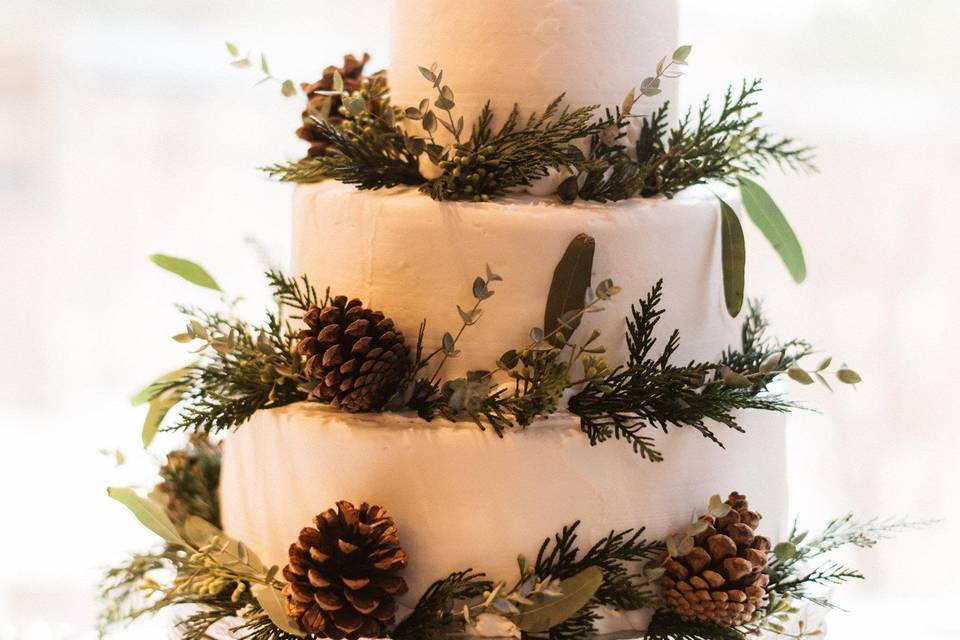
(824, 363)
(412, 113)
(232, 49)
(143, 396)
(491, 276)
(770, 364)
(149, 513)
(186, 269)
(733, 379)
(158, 410)
(785, 550)
(429, 123)
(799, 375)
(733, 257)
(848, 376)
(337, 81)
(547, 612)
(428, 74)
(770, 220)
(274, 604)
(571, 279)
(682, 53)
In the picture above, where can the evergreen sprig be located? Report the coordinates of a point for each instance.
(652, 393)
(242, 367)
(436, 615)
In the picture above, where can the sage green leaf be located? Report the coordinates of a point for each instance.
(149, 513)
(189, 271)
(337, 81)
(229, 552)
(274, 605)
(571, 279)
(547, 612)
(144, 395)
(682, 52)
(288, 89)
(769, 219)
(733, 256)
(785, 550)
(232, 49)
(159, 408)
(824, 363)
(263, 64)
(848, 376)
(798, 374)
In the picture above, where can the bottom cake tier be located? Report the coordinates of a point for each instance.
(466, 498)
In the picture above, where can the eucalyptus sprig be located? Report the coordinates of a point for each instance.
(244, 61)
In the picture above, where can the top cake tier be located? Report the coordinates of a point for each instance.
(530, 51)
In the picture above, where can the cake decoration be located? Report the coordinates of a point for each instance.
(477, 425)
(716, 580)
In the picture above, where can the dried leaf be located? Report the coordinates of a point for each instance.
(571, 279)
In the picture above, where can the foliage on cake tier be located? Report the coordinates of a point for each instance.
(343, 575)
(333, 349)
(609, 156)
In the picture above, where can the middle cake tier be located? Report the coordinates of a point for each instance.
(414, 258)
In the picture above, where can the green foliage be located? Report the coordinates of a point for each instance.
(436, 615)
(666, 625)
(651, 392)
(246, 61)
(766, 215)
(241, 368)
(186, 269)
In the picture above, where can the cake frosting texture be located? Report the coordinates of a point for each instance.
(415, 259)
(530, 51)
(462, 497)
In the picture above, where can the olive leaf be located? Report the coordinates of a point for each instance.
(149, 513)
(571, 279)
(274, 603)
(549, 611)
(186, 269)
(733, 258)
(765, 213)
(229, 552)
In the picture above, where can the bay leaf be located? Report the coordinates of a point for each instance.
(547, 612)
(273, 603)
(733, 257)
(765, 213)
(149, 513)
(571, 279)
(186, 269)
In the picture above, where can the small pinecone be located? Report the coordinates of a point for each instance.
(355, 357)
(190, 481)
(342, 576)
(721, 580)
(352, 74)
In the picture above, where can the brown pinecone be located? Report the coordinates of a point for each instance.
(352, 74)
(342, 576)
(355, 357)
(721, 580)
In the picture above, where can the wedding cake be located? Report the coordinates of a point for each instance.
(513, 359)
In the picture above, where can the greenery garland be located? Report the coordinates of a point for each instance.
(556, 597)
(241, 368)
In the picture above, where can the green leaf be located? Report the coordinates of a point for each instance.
(288, 89)
(149, 513)
(231, 553)
(682, 52)
(159, 408)
(801, 376)
(767, 216)
(785, 550)
(337, 82)
(232, 49)
(571, 279)
(428, 74)
(848, 376)
(144, 395)
(733, 256)
(189, 271)
(274, 605)
(547, 612)
(263, 64)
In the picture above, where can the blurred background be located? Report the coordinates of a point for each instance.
(124, 131)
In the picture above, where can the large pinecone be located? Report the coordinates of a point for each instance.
(342, 576)
(721, 580)
(353, 78)
(356, 358)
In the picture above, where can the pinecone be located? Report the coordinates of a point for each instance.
(190, 480)
(356, 358)
(721, 580)
(341, 580)
(353, 78)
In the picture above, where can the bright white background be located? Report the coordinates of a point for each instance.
(123, 132)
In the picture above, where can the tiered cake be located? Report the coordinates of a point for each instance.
(461, 496)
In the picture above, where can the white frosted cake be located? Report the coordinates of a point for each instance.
(463, 497)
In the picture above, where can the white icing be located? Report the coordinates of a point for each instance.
(530, 51)
(463, 497)
(414, 259)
